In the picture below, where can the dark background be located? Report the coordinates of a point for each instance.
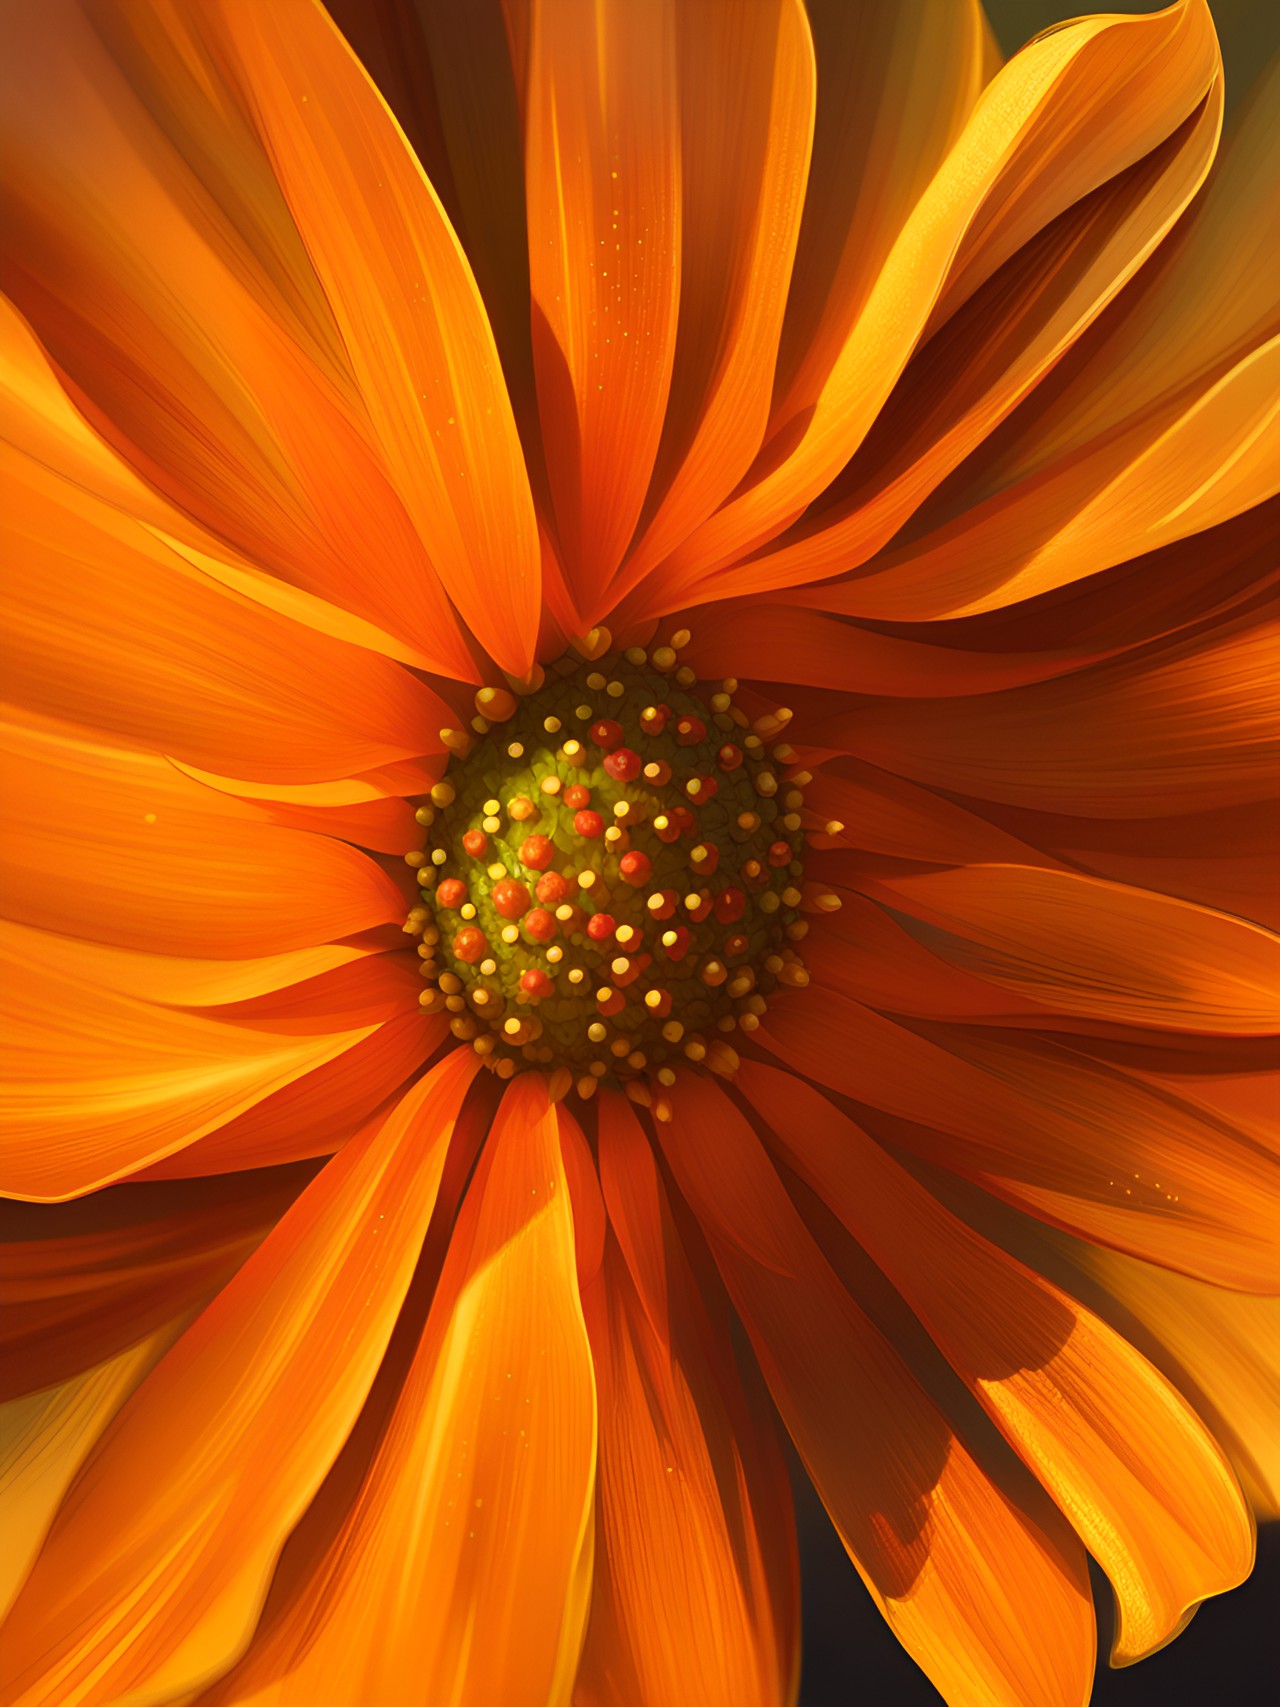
(1230, 1654)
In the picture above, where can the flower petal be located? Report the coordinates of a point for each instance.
(747, 90)
(195, 335)
(46, 1437)
(1186, 727)
(472, 1530)
(76, 1290)
(156, 652)
(1101, 950)
(1049, 129)
(406, 305)
(1130, 1465)
(1222, 1349)
(232, 1432)
(176, 868)
(602, 153)
(1160, 425)
(984, 360)
(1078, 1143)
(316, 1112)
(696, 1580)
(989, 1604)
(100, 1086)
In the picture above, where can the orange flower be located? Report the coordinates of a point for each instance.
(768, 513)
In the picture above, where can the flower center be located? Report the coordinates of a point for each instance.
(610, 880)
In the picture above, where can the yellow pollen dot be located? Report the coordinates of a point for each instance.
(769, 902)
(467, 910)
(790, 897)
(681, 638)
(636, 655)
(685, 676)
(488, 967)
(442, 794)
(550, 785)
(615, 690)
(492, 806)
(595, 681)
(604, 993)
(624, 934)
(597, 1032)
(622, 808)
(555, 953)
(655, 904)
(693, 902)
(572, 751)
(661, 821)
(414, 859)
(620, 966)
(664, 657)
(791, 821)
(511, 1027)
(576, 975)
(552, 725)
(673, 1031)
(833, 827)
(497, 870)
(515, 749)
(587, 880)
(450, 983)
(492, 825)
(438, 856)
(564, 912)
(510, 934)
(669, 939)
(613, 834)
(653, 998)
(583, 713)
(665, 1076)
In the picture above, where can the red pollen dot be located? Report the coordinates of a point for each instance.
(729, 757)
(636, 868)
(702, 788)
(535, 983)
(552, 889)
(730, 905)
(451, 893)
(689, 731)
(680, 947)
(607, 734)
(537, 852)
(589, 824)
(600, 927)
(735, 945)
(510, 898)
(779, 853)
(470, 944)
(576, 796)
(684, 820)
(623, 765)
(540, 924)
(475, 842)
(653, 719)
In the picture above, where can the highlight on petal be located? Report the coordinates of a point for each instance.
(937, 1541)
(157, 1566)
(696, 1579)
(1130, 1465)
(472, 1531)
